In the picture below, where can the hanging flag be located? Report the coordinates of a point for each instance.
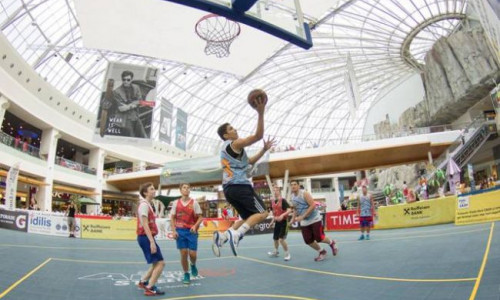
(351, 87)
(181, 129)
(167, 111)
(11, 187)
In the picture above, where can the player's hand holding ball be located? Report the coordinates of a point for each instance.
(257, 100)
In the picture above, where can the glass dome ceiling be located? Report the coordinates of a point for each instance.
(308, 104)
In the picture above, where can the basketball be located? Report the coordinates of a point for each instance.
(255, 95)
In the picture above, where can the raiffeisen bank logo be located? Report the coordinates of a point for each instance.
(21, 221)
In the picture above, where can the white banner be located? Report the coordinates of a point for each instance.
(11, 187)
(164, 229)
(351, 87)
(51, 224)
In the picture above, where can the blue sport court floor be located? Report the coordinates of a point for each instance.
(435, 262)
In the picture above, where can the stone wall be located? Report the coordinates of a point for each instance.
(459, 71)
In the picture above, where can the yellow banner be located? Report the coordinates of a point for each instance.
(109, 229)
(478, 208)
(420, 213)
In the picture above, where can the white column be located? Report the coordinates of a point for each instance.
(4, 105)
(429, 155)
(96, 162)
(308, 185)
(333, 203)
(48, 147)
(139, 165)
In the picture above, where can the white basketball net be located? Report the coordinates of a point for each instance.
(219, 32)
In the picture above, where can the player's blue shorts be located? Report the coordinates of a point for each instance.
(146, 249)
(187, 239)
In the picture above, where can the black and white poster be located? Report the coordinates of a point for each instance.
(181, 129)
(126, 108)
(167, 112)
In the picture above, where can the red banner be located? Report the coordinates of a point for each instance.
(340, 220)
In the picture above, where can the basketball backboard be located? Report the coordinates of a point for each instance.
(281, 18)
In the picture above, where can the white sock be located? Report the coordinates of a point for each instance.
(243, 229)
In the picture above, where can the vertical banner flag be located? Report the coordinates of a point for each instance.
(167, 112)
(181, 129)
(126, 108)
(351, 87)
(11, 187)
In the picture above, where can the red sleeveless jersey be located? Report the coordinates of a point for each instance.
(151, 221)
(185, 216)
(277, 207)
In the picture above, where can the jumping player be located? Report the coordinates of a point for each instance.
(310, 220)
(281, 210)
(238, 189)
(366, 210)
(185, 219)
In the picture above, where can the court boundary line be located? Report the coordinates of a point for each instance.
(240, 295)
(483, 264)
(128, 262)
(26, 276)
(358, 276)
(256, 247)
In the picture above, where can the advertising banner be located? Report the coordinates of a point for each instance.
(478, 208)
(342, 220)
(51, 224)
(11, 187)
(204, 169)
(167, 111)
(181, 129)
(13, 220)
(109, 229)
(420, 213)
(125, 111)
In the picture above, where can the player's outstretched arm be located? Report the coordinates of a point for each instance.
(268, 144)
(241, 143)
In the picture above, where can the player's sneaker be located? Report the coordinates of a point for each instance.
(142, 284)
(367, 236)
(194, 270)
(273, 253)
(334, 248)
(216, 243)
(153, 291)
(234, 240)
(287, 257)
(362, 237)
(187, 279)
(321, 256)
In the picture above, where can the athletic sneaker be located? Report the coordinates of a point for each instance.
(216, 244)
(142, 284)
(273, 253)
(362, 237)
(153, 291)
(321, 256)
(334, 248)
(194, 270)
(187, 279)
(234, 240)
(367, 236)
(287, 257)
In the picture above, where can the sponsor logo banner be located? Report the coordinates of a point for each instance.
(420, 213)
(481, 208)
(341, 220)
(14, 220)
(51, 224)
(109, 229)
(11, 187)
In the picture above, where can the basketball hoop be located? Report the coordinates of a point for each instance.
(219, 32)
